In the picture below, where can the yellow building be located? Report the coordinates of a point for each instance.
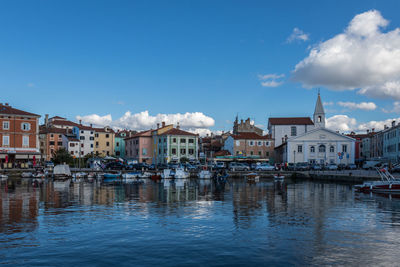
(104, 139)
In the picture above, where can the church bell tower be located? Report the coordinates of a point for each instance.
(319, 114)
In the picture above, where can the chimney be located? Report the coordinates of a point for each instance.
(46, 120)
(80, 122)
(91, 125)
(393, 123)
(158, 125)
(177, 126)
(367, 131)
(6, 104)
(283, 139)
(163, 124)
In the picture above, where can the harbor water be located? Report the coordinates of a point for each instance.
(195, 223)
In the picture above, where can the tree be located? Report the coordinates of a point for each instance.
(62, 156)
(184, 160)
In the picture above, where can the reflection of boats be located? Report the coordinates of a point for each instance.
(221, 177)
(180, 173)
(388, 184)
(168, 182)
(3, 177)
(79, 175)
(156, 177)
(145, 175)
(61, 185)
(61, 172)
(205, 174)
(131, 175)
(180, 182)
(111, 177)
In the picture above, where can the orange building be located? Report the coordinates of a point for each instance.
(51, 139)
(19, 136)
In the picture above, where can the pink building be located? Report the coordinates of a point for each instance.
(139, 147)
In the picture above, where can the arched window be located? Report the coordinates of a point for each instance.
(332, 149)
(319, 118)
(312, 149)
(321, 148)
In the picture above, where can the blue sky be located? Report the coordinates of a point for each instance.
(79, 58)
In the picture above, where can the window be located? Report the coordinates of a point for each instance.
(82, 138)
(159, 151)
(59, 143)
(238, 143)
(91, 145)
(72, 152)
(293, 131)
(96, 135)
(144, 151)
(165, 139)
(266, 143)
(173, 140)
(71, 144)
(165, 151)
(91, 132)
(51, 135)
(332, 149)
(107, 135)
(183, 140)
(321, 148)
(300, 149)
(51, 143)
(344, 148)
(117, 153)
(174, 150)
(312, 149)
(6, 140)
(82, 145)
(81, 132)
(25, 140)
(259, 153)
(319, 119)
(267, 153)
(108, 144)
(191, 151)
(191, 141)
(251, 143)
(6, 125)
(91, 138)
(117, 144)
(259, 143)
(183, 150)
(59, 136)
(251, 153)
(25, 126)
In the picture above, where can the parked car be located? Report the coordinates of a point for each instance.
(290, 167)
(115, 165)
(316, 167)
(332, 167)
(341, 166)
(352, 167)
(235, 166)
(264, 167)
(220, 165)
(302, 166)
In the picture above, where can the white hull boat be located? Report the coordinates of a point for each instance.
(205, 174)
(180, 173)
(167, 174)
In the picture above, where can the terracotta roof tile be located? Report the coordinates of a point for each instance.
(8, 110)
(141, 134)
(291, 121)
(64, 123)
(175, 131)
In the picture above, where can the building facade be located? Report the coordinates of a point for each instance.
(51, 140)
(85, 135)
(104, 140)
(19, 135)
(119, 142)
(245, 127)
(251, 145)
(391, 143)
(140, 147)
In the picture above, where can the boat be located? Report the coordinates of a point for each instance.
(252, 177)
(131, 175)
(61, 172)
(156, 177)
(279, 177)
(79, 175)
(167, 174)
(221, 177)
(61, 185)
(180, 173)
(110, 176)
(204, 174)
(145, 175)
(3, 177)
(26, 175)
(387, 184)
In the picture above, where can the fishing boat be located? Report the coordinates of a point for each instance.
(387, 184)
(111, 177)
(252, 177)
(204, 174)
(180, 173)
(61, 172)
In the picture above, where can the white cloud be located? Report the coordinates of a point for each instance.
(194, 121)
(362, 57)
(344, 123)
(328, 104)
(271, 80)
(362, 105)
(298, 34)
(395, 109)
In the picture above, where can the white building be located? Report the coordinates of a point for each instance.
(85, 135)
(303, 140)
(72, 145)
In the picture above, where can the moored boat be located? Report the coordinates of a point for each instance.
(61, 172)
(388, 184)
(131, 175)
(180, 173)
(167, 174)
(26, 175)
(279, 177)
(204, 174)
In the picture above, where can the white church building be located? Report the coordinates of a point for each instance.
(309, 141)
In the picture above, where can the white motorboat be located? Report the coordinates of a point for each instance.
(3, 177)
(62, 172)
(279, 177)
(131, 175)
(180, 173)
(167, 174)
(145, 175)
(205, 174)
(79, 175)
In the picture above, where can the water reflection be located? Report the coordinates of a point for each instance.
(286, 222)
